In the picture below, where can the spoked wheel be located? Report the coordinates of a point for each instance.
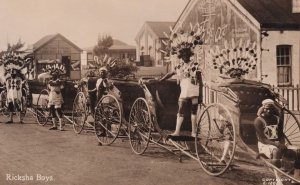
(291, 128)
(79, 112)
(108, 119)
(4, 109)
(140, 126)
(215, 139)
(42, 110)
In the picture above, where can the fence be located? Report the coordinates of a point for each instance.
(148, 76)
(292, 95)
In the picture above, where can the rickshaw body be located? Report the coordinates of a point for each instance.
(243, 98)
(40, 95)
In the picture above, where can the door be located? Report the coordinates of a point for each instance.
(66, 61)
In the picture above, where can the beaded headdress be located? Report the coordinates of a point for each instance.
(13, 62)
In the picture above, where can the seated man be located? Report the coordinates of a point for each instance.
(271, 139)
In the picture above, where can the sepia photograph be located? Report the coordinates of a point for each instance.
(149, 92)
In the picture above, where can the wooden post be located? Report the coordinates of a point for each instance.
(297, 90)
(293, 98)
(288, 97)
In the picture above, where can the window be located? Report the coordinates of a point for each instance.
(284, 65)
(296, 6)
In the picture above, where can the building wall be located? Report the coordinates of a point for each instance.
(224, 26)
(149, 44)
(269, 65)
(55, 50)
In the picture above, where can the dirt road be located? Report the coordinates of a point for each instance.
(31, 154)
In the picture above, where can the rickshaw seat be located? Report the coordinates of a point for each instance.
(250, 97)
(166, 95)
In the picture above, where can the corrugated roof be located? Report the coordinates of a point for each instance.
(273, 14)
(44, 40)
(117, 45)
(160, 27)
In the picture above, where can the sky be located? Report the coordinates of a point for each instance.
(81, 21)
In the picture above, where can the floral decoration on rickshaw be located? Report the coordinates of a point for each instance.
(234, 61)
(176, 43)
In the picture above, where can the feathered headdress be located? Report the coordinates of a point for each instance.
(103, 63)
(182, 41)
(51, 70)
(14, 61)
(235, 60)
(57, 69)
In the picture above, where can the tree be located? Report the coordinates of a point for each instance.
(17, 47)
(104, 43)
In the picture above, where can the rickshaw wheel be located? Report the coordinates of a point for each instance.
(4, 110)
(140, 126)
(42, 110)
(79, 112)
(215, 129)
(291, 128)
(108, 119)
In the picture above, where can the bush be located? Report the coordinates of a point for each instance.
(122, 69)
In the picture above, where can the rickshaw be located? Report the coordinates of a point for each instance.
(231, 106)
(155, 114)
(110, 113)
(242, 99)
(40, 106)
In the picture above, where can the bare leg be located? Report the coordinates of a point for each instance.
(226, 149)
(10, 117)
(60, 124)
(178, 125)
(297, 174)
(194, 121)
(54, 124)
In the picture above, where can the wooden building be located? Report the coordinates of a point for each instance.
(149, 42)
(57, 49)
(271, 27)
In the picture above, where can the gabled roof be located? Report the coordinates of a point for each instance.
(156, 28)
(119, 45)
(273, 14)
(46, 39)
(160, 27)
(270, 14)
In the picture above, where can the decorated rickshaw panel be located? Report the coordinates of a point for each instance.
(227, 32)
